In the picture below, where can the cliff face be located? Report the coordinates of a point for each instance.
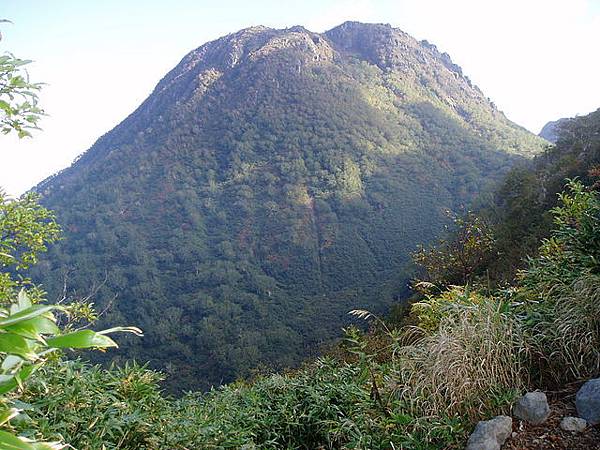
(273, 180)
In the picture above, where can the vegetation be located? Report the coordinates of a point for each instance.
(467, 353)
(19, 110)
(265, 189)
(470, 355)
(461, 258)
(520, 210)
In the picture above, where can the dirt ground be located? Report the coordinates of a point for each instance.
(549, 435)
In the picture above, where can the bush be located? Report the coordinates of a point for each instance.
(560, 292)
(93, 408)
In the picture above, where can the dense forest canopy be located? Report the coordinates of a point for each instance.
(274, 180)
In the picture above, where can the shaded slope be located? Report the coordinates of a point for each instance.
(522, 203)
(551, 130)
(272, 181)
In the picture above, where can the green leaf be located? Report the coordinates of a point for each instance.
(10, 382)
(7, 413)
(29, 313)
(13, 344)
(34, 328)
(81, 339)
(11, 442)
(5, 107)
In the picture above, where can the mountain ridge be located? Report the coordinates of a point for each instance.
(215, 48)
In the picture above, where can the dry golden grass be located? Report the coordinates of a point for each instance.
(471, 365)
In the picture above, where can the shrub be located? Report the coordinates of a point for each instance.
(560, 290)
(90, 407)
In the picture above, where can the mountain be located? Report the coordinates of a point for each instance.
(551, 130)
(274, 180)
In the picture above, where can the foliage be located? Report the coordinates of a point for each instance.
(471, 365)
(560, 290)
(243, 275)
(458, 259)
(429, 312)
(520, 209)
(26, 228)
(29, 335)
(19, 110)
(327, 404)
(469, 355)
(93, 408)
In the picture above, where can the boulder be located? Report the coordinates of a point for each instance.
(576, 424)
(490, 434)
(532, 407)
(587, 401)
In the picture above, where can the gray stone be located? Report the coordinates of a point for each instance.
(490, 434)
(576, 424)
(532, 407)
(587, 401)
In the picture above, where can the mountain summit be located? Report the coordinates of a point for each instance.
(273, 180)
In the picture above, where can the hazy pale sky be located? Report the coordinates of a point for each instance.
(536, 59)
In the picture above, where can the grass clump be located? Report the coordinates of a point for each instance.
(470, 365)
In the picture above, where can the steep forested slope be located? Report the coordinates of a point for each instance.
(273, 180)
(522, 203)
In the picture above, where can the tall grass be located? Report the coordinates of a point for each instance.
(470, 366)
(565, 335)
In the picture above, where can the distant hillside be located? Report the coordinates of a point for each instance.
(523, 202)
(273, 180)
(551, 130)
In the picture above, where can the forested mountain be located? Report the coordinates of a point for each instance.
(478, 348)
(273, 180)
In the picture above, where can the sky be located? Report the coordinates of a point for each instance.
(537, 60)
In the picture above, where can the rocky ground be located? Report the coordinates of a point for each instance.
(549, 435)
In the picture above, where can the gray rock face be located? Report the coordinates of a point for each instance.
(587, 401)
(576, 424)
(490, 434)
(532, 407)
